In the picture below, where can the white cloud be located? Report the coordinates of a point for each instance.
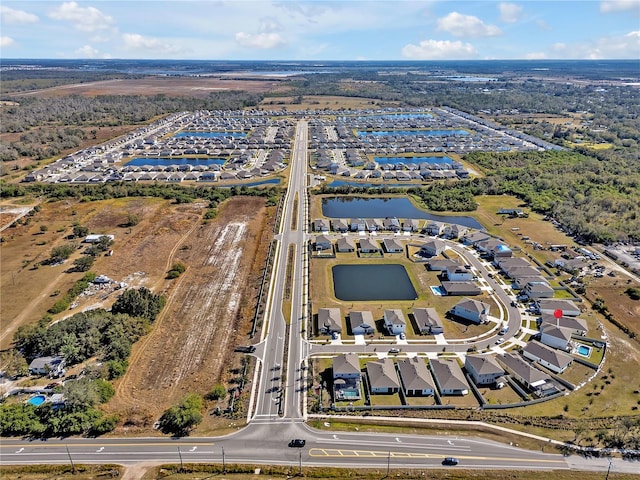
(88, 19)
(6, 41)
(621, 47)
(460, 25)
(135, 41)
(12, 16)
(439, 50)
(89, 52)
(262, 40)
(609, 6)
(509, 12)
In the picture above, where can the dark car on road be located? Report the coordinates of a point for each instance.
(247, 349)
(297, 442)
(450, 461)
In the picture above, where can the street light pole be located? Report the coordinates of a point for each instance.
(73, 467)
(224, 465)
(388, 464)
(181, 464)
(608, 469)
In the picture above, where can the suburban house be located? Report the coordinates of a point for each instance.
(449, 377)
(357, 225)
(517, 271)
(505, 264)
(453, 232)
(556, 337)
(322, 242)
(494, 248)
(52, 366)
(361, 322)
(432, 248)
(391, 224)
(368, 246)
(457, 273)
(428, 321)
(394, 321)
(538, 290)
(410, 225)
(339, 225)
(321, 225)
(434, 228)
(568, 307)
(373, 224)
(522, 281)
(382, 376)
(330, 320)
(415, 377)
(391, 245)
(346, 377)
(576, 326)
(470, 309)
(553, 359)
(345, 244)
(538, 382)
(472, 238)
(440, 264)
(460, 288)
(483, 369)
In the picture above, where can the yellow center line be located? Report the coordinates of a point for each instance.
(59, 445)
(317, 452)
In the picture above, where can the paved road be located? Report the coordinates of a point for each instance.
(277, 412)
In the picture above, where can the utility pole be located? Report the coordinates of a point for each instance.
(181, 464)
(388, 464)
(300, 462)
(224, 465)
(73, 467)
(608, 469)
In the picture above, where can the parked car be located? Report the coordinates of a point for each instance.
(297, 442)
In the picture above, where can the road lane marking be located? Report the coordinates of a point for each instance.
(97, 445)
(100, 450)
(20, 451)
(193, 449)
(334, 452)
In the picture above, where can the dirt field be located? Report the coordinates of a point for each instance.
(206, 315)
(174, 86)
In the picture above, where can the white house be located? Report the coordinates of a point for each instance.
(415, 377)
(483, 369)
(553, 359)
(394, 321)
(432, 248)
(470, 309)
(556, 337)
(52, 366)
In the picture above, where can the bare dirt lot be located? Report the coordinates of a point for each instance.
(174, 86)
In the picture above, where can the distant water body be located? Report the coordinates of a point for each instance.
(407, 133)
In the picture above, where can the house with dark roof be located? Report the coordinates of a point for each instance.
(553, 359)
(339, 225)
(361, 322)
(382, 377)
(522, 371)
(538, 290)
(410, 225)
(415, 378)
(449, 377)
(483, 369)
(394, 321)
(472, 310)
(321, 225)
(391, 224)
(472, 238)
(568, 307)
(555, 337)
(457, 273)
(330, 320)
(576, 326)
(434, 228)
(357, 225)
(428, 321)
(440, 264)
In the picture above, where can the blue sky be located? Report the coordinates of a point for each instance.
(321, 30)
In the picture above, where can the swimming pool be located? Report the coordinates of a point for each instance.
(37, 400)
(584, 351)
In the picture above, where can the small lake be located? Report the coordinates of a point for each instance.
(343, 183)
(406, 133)
(210, 134)
(354, 207)
(165, 162)
(405, 160)
(372, 282)
(401, 116)
(271, 181)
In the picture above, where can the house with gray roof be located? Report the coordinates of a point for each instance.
(575, 325)
(357, 225)
(361, 322)
(346, 377)
(410, 225)
(391, 245)
(415, 377)
(382, 376)
(391, 224)
(50, 365)
(322, 242)
(483, 369)
(345, 245)
(554, 336)
(522, 371)
(472, 310)
(538, 290)
(330, 320)
(321, 225)
(368, 246)
(440, 264)
(428, 321)
(460, 288)
(339, 225)
(457, 273)
(449, 377)
(431, 248)
(434, 228)
(568, 307)
(394, 321)
(553, 359)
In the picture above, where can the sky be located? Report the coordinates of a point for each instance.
(318, 30)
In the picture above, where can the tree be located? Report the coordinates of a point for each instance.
(80, 231)
(84, 263)
(62, 252)
(43, 228)
(181, 418)
(139, 303)
(217, 392)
